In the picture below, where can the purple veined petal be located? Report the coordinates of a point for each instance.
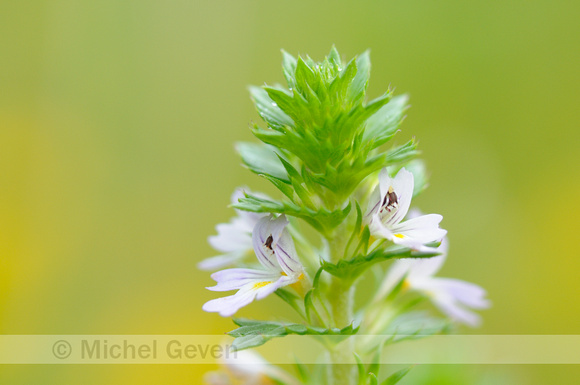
(276, 227)
(228, 306)
(403, 185)
(233, 279)
(418, 231)
(220, 261)
(374, 204)
(467, 293)
(265, 254)
(286, 255)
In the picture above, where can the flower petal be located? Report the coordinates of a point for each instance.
(231, 236)
(378, 228)
(397, 271)
(276, 226)
(251, 369)
(456, 312)
(286, 255)
(467, 293)
(228, 306)
(374, 203)
(454, 298)
(251, 290)
(263, 244)
(418, 231)
(403, 185)
(424, 267)
(220, 261)
(245, 362)
(428, 267)
(233, 279)
(268, 289)
(385, 182)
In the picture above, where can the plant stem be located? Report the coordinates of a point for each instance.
(341, 297)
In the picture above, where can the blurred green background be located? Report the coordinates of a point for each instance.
(117, 124)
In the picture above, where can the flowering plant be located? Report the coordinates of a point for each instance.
(324, 148)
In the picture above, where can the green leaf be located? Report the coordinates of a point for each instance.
(284, 187)
(252, 333)
(396, 377)
(417, 168)
(334, 57)
(297, 182)
(321, 219)
(360, 82)
(340, 85)
(362, 374)
(402, 153)
(383, 125)
(289, 68)
(262, 159)
(284, 101)
(291, 299)
(375, 366)
(303, 372)
(351, 269)
(413, 325)
(305, 77)
(269, 110)
(356, 231)
(309, 305)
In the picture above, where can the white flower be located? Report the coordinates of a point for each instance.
(276, 253)
(234, 239)
(452, 296)
(388, 206)
(247, 368)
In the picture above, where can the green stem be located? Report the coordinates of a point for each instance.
(341, 298)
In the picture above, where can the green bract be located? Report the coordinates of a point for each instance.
(321, 136)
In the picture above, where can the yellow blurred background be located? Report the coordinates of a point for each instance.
(117, 125)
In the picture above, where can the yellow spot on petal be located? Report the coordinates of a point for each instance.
(261, 284)
(298, 285)
(284, 274)
(399, 235)
(391, 189)
(406, 285)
